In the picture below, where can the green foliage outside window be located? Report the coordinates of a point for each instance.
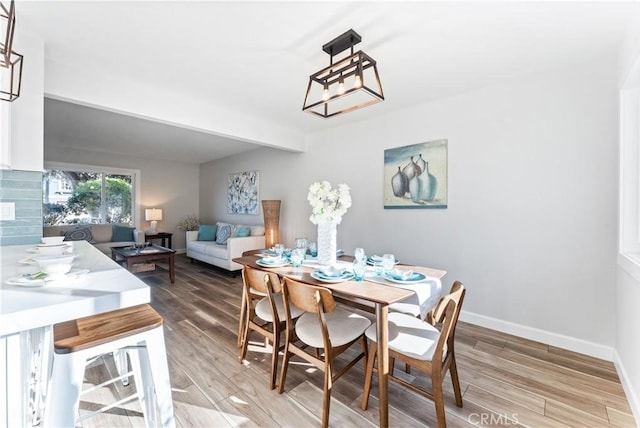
(72, 197)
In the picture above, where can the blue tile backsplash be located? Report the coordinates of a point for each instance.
(24, 188)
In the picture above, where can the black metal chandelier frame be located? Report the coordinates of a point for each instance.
(355, 65)
(9, 59)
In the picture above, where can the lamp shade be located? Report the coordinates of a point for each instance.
(151, 214)
(271, 212)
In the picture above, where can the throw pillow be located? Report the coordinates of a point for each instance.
(207, 232)
(80, 234)
(122, 233)
(257, 230)
(243, 231)
(102, 232)
(224, 233)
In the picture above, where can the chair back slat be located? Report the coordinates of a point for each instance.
(309, 297)
(447, 312)
(456, 294)
(255, 278)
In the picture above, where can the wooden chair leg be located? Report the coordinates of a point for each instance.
(453, 370)
(326, 396)
(438, 399)
(274, 358)
(241, 322)
(368, 375)
(285, 366)
(245, 340)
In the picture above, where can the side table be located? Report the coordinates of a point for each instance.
(163, 236)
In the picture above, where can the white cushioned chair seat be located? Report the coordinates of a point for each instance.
(409, 336)
(343, 327)
(263, 309)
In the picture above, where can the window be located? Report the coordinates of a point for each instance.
(75, 194)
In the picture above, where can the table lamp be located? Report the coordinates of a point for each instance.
(153, 215)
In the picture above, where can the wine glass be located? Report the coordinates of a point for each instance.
(279, 249)
(377, 267)
(301, 243)
(359, 254)
(388, 261)
(313, 249)
(297, 256)
(359, 268)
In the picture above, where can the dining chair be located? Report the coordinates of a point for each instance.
(426, 345)
(264, 316)
(328, 329)
(255, 295)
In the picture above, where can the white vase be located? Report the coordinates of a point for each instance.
(327, 243)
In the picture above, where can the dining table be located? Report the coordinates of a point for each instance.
(28, 310)
(373, 292)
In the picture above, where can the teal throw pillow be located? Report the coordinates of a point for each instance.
(243, 231)
(224, 233)
(122, 233)
(207, 232)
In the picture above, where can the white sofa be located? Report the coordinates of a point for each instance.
(101, 235)
(222, 255)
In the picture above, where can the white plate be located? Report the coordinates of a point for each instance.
(416, 277)
(66, 248)
(26, 282)
(345, 277)
(372, 259)
(27, 261)
(271, 265)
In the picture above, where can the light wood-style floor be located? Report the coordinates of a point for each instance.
(506, 381)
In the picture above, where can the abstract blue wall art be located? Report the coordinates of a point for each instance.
(242, 193)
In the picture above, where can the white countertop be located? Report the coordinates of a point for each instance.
(106, 287)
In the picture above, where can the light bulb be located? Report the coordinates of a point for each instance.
(358, 81)
(341, 86)
(325, 93)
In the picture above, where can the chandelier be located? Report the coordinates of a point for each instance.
(348, 84)
(10, 61)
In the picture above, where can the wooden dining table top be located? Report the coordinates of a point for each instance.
(366, 290)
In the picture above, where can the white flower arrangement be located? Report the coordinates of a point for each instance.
(329, 205)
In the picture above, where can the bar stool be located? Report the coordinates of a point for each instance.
(138, 332)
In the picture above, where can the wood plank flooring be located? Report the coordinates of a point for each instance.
(506, 380)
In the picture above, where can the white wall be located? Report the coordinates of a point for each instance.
(94, 87)
(628, 285)
(167, 185)
(23, 150)
(531, 223)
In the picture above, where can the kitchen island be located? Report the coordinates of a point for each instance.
(95, 285)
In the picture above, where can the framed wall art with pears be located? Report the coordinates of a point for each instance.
(415, 176)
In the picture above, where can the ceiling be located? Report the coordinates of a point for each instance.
(255, 57)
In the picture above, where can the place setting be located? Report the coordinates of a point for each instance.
(332, 274)
(54, 264)
(385, 269)
(276, 256)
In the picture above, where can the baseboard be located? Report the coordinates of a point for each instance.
(634, 403)
(543, 336)
(181, 251)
